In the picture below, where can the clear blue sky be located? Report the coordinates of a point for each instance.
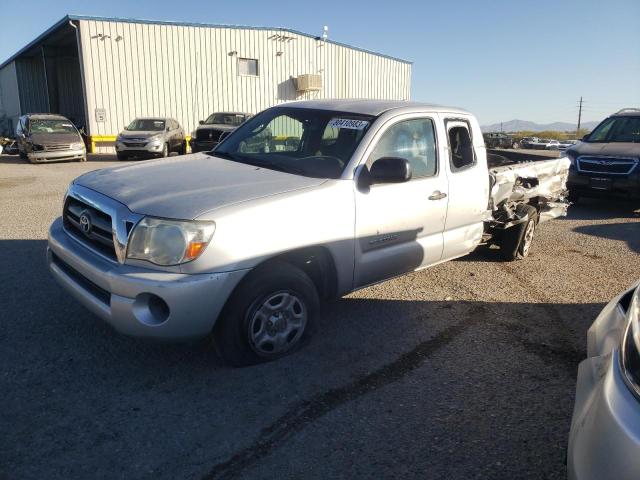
(502, 59)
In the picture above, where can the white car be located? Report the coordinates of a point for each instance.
(604, 442)
(304, 201)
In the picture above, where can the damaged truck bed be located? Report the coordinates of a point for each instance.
(523, 185)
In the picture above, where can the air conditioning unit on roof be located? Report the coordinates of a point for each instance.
(309, 82)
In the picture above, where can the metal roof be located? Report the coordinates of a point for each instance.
(65, 20)
(370, 107)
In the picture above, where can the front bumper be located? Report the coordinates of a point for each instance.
(202, 145)
(57, 156)
(150, 148)
(126, 297)
(605, 429)
(607, 185)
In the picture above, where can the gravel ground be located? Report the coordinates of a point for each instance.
(466, 370)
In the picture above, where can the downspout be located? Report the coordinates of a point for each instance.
(87, 132)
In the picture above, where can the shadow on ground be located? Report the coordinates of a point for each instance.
(463, 387)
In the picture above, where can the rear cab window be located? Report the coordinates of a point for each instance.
(461, 152)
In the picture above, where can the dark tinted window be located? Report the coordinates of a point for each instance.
(460, 147)
(146, 125)
(617, 129)
(232, 119)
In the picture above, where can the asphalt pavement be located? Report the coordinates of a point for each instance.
(465, 370)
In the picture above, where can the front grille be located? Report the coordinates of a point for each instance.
(57, 147)
(606, 165)
(99, 234)
(208, 135)
(135, 144)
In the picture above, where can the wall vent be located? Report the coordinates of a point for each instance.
(309, 82)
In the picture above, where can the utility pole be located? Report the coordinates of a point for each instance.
(579, 117)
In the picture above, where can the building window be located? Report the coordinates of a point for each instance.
(248, 66)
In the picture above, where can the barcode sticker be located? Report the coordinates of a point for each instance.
(348, 123)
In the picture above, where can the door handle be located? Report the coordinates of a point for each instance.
(437, 195)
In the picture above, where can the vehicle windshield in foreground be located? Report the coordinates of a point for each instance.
(617, 129)
(231, 119)
(309, 142)
(146, 125)
(52, 126)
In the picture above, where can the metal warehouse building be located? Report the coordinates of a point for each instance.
(103, 72)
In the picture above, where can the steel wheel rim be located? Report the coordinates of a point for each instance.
(528, 237)
(277, 324)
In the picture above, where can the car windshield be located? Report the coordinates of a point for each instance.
(617, 129)
(308, 142)
(232, 119)
(146, 125)
(51, 126)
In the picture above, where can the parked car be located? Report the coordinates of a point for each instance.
(564, 144)
(45, 137)
(499, 140)
(606, 161)
(604, 440)
(552, 145)
(151, 137)
(526, 142)
(243, 242)
(214, 128)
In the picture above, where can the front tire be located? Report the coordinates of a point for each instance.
(516, 241)
(165, 151)
(270, 315)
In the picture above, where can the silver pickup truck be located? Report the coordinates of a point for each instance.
(303, 202)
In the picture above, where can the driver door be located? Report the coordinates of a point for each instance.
(399, 227)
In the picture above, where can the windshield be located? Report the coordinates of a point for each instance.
(51, 126)
(309, 142)
(146, 125)
(617, 129)
(232, 119)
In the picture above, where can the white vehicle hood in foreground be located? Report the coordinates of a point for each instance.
(188, 186)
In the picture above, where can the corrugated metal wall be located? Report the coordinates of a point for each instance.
(188, 72)
(9, 99)
(33, 85)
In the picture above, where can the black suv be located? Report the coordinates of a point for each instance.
(606, 161)
(212, 130)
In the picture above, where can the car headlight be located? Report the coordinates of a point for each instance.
(193, 135)
(76, 146)
(630, 347)
(154, 139)
(169, 242)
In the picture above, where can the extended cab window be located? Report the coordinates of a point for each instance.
(460, 147)
(413, 140)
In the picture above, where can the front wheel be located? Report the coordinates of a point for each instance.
(165, 150)
(270, 315)
(516, 241)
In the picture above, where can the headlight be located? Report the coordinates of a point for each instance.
(76, 146)
(154, 138)
(193, 135)
(630, 348)
(169, 242)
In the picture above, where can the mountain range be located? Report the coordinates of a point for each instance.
(524, 125)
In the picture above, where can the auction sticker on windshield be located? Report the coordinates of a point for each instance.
(348, 123)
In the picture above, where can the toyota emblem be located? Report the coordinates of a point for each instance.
(85, 223)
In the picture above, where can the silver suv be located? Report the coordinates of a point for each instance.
(44, 137)
(151, 137)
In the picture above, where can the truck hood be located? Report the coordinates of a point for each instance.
(187, 187)
(615, 149)
(216, 126)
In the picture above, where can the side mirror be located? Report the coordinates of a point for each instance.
(584, 139)
(200, 122)
(390, 170)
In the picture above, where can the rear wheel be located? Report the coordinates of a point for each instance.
(183, 148)
(516, 241)
(270, 315)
